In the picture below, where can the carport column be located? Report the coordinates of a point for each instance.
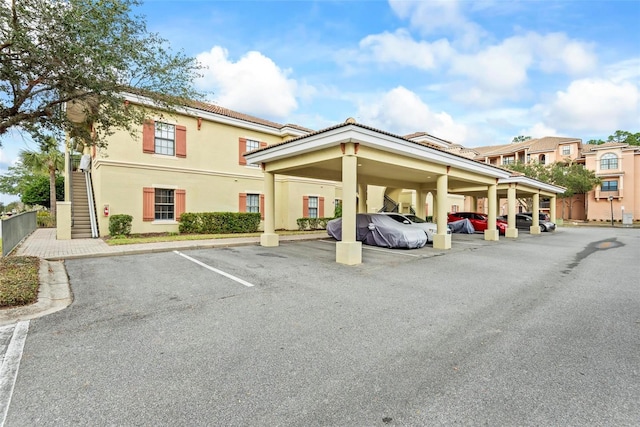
(349, 251)
(491, 233)
(535, 211)
(474, 204)
(269, 237)
(420, 202)
(362, 198)
(552, 209)
(442, 240)
(512, 231)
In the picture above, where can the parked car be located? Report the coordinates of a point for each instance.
(478, 220)
(381, 230)
(541, 215)
(524, 221)
(428, 227)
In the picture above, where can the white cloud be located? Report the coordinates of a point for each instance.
(400, 48)
(443, 16)
(556, 53)
(402, 111)
(539, 130)
(595, 105)
(254, 84)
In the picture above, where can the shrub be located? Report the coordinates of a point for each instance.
(219, 222)
(44, 219)
(312, 223)
(120, 225)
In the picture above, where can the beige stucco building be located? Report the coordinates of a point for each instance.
(206, 158)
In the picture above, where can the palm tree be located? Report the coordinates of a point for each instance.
(48, 160)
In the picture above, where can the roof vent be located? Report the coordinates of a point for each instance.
(350, 120)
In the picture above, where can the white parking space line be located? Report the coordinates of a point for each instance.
(387, 251)
(10, 365)
(215, 270)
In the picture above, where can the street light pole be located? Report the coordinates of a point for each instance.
(611, 202)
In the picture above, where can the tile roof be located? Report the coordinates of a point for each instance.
(547, 143)
(216, 109)
(587, 148)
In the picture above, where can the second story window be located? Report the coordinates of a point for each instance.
(508, 160)
(609, 186)
(566, 150)
(608, 161)
(165, 139)
(252, 145)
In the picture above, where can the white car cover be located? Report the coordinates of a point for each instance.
(380, 230)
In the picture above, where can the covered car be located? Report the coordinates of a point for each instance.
(463, 226)
(380, 230)
(429, 228)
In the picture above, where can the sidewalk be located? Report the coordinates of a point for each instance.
(42, 243)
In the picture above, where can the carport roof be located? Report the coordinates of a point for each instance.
(399, 149)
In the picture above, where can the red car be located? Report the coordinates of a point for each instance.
(478, 220)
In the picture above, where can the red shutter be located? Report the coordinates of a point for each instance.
(305, 206)
(242, 148)
(181, 141)
(242, 203)
(148, 204)
(149, 137)
(320, 207)
(262, 206)
(181, 203)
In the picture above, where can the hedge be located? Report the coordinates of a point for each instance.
(313, 223)
(120, 225)
(219, 222)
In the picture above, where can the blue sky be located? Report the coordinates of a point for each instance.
(472, 72)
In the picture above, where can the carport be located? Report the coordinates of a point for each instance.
(357, 155)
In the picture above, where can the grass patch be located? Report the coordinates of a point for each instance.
(172, 237)
(19, 280)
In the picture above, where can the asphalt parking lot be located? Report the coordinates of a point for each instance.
(542, 330)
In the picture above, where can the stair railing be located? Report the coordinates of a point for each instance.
(389, 205)
(92, 206)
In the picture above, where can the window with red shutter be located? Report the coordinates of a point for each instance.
(148, 203)
(148, 137)
(181, 203)
(242, 202)
(242, 148)
(181, 141)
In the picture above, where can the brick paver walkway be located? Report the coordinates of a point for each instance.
(43, 243)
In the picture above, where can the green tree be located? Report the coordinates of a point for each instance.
(520, 138)
(49, 161)
(60, 53)
(575, 178)
(620, 136)
(38, 192)
(16, 179)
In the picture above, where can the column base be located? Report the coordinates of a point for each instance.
(442, 241)
(512, 233)
(269, 239)
(63, 221)
(535, 229)
(493, 235)
(349, 253)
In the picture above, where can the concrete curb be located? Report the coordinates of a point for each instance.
(54, 295)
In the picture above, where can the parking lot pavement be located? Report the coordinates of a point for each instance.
(534, 331)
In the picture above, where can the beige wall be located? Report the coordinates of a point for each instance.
(210, 174)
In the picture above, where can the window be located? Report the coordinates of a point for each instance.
(609, 186)
(509, 160)
(246, 145)
(163, 204)
(312, 207)
(454, 208)
(542, 159)
(609, 161)
(253, 203)
(164, 207)
(164, 138)
(566, 150)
